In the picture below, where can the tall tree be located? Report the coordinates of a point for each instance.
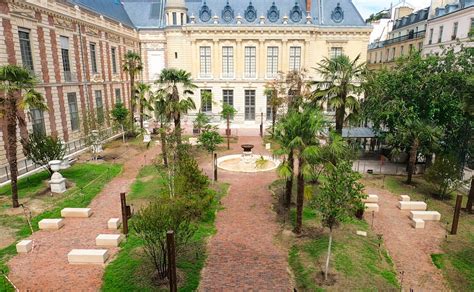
(144, 99)
(176, 85)
(340, 85)
(17, 85)
(274, 100)
(132, 65)
(297, 132)
(162, 116)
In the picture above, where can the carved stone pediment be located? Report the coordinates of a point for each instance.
(128, 42)
(64, 23)
(22, 11)
(97, 78)
(113, 37)
(92, 31)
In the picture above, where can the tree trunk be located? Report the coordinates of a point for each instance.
(123, 134)
(470, 198)
(299, 197)
(326, 271)
(340, 113)
(412, 160)
(289, 181)
(163, 146)
(273, 121)
(177, 128)
(141, 116)
(11, 113)
(132, 97)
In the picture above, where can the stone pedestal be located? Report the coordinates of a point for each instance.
(57, 183)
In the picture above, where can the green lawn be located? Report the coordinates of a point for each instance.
(457, 262)
(88, 179)
(130, 270)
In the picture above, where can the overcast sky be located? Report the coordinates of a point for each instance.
(367, 7)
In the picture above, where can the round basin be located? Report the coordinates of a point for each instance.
(258, 163)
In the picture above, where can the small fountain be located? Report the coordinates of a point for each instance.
(247, 161)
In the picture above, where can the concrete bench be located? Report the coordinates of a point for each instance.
(418, 223)
(114, 223)
(405, 198)
(76, 212)
(51, 224)
(371, 199)
(369, 207)
(108, 239)
(24, 246)
(412, 205)
(87, 256)
(425, 215)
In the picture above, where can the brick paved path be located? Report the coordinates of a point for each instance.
(47, 269)
(410, 248)
(243, 255)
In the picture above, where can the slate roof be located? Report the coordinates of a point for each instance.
(146, 13)
(112, 9)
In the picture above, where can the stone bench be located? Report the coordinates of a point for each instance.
(371, 199)
(108, 239)
(24, 246)
(418, 223)
(76, 212)
(425, 215)
(87, 256)
(369, 207)
(51, 224)
(412, 205)
(405, 198)
(114, 223)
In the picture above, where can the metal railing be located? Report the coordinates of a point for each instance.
(415, 35)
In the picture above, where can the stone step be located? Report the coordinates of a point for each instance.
(51, 224)
(24, 246)
(108, 239)
(114, 223)
(369, 207)
(412, 205)
(371, 199)
(418, 223)
(405, 198)
(425, 215)
(76, 212)
(87, 256)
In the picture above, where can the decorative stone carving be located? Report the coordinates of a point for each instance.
(273, 13)
(296, 13)
(92, 31)
(250, 13)
(228, 13)
(113, 37)
(57, 182)
(64, 23)
(192, 19)
(239, 19)
(262, 19)
(205, 13)
(337, 14)
(215, 19)
(285, 19)
(22, 11)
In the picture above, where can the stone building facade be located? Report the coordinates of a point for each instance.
(232, 48)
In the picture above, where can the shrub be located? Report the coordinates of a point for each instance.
(444, 176)
(209, 139)
(41, 149)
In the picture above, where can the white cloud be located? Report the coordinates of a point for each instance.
(367, 7)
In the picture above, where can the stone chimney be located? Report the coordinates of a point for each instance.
(308, 5)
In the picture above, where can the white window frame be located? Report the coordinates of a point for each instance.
(227, 62)
(272, 61)
(250, 62)
(295, 58)
(205, 65)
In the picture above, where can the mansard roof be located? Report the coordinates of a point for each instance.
(146, 14)
(112, 9)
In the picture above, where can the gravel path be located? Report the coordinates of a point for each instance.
(242, 256)
(47, 268)
(410, 248)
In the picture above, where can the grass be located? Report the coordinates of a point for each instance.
(457, 260)
(89, 179)
(130, 270)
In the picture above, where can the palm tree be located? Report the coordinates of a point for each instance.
(171, 82)
(341, 83)
(17, 85)
(162, 115)
(132, 65)
(274, 100)
(297, 132)
(144, 99)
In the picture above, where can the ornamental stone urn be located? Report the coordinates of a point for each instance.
(57, 182)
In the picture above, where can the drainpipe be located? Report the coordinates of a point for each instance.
(85, 82)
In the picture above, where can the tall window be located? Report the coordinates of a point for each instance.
(228, 96)
(430, 40)
(227, 62)
(269, 108)
(401, 50)
(37, 119)
(65, 58)
(73, 110)
(250, 62)
(455, 31)
(336, 52)
(118, 97)
(440, 36)
(387, 55)
(272, 61)
(25, 49)
(93, 58)
(295, 58)
(99, 106)
(393, 53)
(205, 58)
(113, 53)
(206, 104)
(250, 105)
(420, 46)
(175, 19)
